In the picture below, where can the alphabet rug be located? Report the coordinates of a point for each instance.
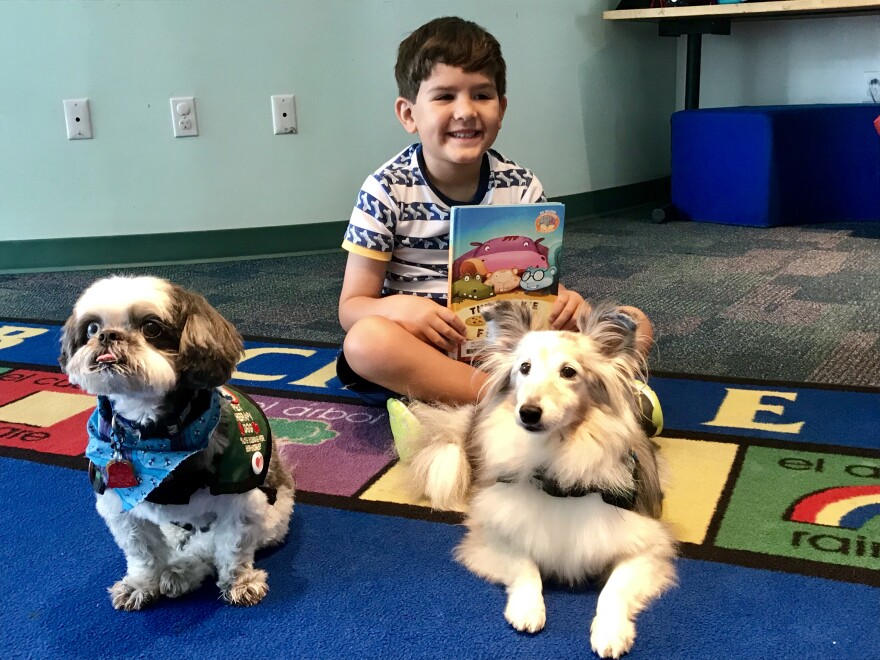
(781, 476)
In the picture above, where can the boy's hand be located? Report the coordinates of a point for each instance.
(564, 314)
(426, 320)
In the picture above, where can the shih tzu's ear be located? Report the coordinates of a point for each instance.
(612, 330)
(69, 344)
(210, 346)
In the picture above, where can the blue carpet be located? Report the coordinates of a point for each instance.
(354, 585)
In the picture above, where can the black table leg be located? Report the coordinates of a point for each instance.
(692, 71)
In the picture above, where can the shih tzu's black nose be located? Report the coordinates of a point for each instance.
(107, 336)
(530, 415)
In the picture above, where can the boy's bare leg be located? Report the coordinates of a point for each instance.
(381, 351)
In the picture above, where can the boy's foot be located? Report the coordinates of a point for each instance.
(652, 413)
(404, 427)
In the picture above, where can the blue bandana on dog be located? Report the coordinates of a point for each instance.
(153, 451)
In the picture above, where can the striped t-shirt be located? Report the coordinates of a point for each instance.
(401, 218)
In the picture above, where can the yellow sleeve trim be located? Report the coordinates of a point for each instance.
(364, 252)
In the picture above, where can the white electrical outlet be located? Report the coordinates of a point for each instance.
(872, 86)
(78, 119)
(183, 116)
(284, 114)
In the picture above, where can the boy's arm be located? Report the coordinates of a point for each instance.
(421, 317)
(361, 289)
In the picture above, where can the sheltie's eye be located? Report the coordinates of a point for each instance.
(525, 368)
(568, 372)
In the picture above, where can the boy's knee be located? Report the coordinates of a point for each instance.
(364, 343)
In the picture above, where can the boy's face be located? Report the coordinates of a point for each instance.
(457, 116)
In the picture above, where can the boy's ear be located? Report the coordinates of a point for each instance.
(403, 110)
(503, 102)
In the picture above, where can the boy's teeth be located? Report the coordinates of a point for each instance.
(464, 134)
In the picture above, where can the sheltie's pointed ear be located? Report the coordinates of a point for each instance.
(612, 330)
(508, 322)
(210, 346)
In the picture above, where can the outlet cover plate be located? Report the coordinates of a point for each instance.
(284, 114)
(78, 119)
(183, 116)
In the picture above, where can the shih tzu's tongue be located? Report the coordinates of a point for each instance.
(106, 358)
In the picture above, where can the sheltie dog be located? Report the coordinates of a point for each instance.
(558, 477)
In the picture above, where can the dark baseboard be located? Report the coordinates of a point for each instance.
(139, 249)
(613, 199)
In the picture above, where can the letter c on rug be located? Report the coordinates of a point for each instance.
(318, 378)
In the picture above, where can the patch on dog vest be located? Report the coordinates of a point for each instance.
(245, 462)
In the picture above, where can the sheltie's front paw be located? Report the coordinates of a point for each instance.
(248, 588)
(131, 595)
(611, 637)
(525, 611)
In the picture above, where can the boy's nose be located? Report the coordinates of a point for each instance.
(465, 109)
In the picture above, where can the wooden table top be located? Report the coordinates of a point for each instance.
(746, 10)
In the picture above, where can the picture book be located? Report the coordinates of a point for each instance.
(505, 252)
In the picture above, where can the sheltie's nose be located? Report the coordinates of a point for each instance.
(530, 415)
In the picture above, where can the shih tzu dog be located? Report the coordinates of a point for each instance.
(183, 467)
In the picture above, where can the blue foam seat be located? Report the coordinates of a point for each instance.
(777, 165)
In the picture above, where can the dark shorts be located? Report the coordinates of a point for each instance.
(369, 392)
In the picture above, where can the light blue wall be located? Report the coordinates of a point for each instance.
(783, 62)
(589, 106)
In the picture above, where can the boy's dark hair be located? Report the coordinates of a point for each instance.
(452, 41)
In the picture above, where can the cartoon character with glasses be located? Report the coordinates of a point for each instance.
(538, 279)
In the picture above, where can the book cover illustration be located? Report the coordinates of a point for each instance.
(500, 253)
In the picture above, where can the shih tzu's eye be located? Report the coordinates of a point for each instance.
(525, 368)
(152, 329)
(92, 329)
(568, 372)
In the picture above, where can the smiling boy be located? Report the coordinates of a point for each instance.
(451, 78)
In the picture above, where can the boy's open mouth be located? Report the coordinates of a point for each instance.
(465, 135)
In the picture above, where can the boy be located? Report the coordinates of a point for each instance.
(451, 79)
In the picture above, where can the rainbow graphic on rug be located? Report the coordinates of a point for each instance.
(847, 507)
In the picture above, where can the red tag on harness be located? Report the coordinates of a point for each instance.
(120, 474)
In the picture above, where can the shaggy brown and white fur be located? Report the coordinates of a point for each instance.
(141, 342)
(559, 408)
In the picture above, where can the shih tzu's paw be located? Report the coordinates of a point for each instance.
(248, 588)
(131, 595)
(176, 581)
(611, 637)
(525, 611)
